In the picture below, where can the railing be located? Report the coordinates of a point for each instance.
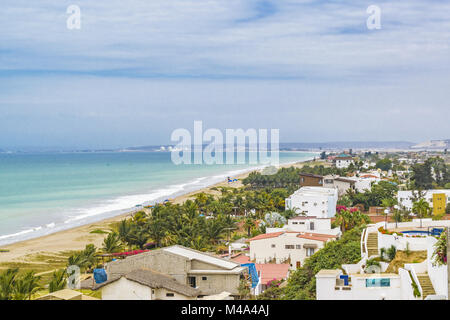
(412, 268)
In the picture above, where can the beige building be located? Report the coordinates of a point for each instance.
(209, 274)
(145, 284)
(340, 183)
(286, 247)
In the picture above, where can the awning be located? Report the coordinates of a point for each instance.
(310, 245)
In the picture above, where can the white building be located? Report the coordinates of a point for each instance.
(145, 284)
(308, 224)
(286, 247)
(365, 181)
(358, 283)
(406, 198)
(314, 201)
(343, 161)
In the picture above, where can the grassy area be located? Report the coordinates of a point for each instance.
(99, 231)
(42, 263)
(401, 258)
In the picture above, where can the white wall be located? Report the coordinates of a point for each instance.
(320, 203)
(438, 274)
(124, 289)
(262, 251)
(325, 289)
(405, 197)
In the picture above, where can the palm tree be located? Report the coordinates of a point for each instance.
(213, 230)
(342, 219)
(249, 224)
(58, 281)
(124, 231)
(421, 208)
(7, 282)
(26, 286)
(111, 243)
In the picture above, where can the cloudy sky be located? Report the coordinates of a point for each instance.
(138, 69)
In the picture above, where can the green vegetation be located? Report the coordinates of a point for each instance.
(439, 256)
(383, 190)
(415, 287)
(58, 281)
(18, 287)
(384, 164)
(99, 231)
(348, 218)
(423, 177)
(422, 209)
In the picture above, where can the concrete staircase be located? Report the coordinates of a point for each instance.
(372, 244)
(425, 283)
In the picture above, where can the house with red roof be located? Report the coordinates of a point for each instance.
(267, 272)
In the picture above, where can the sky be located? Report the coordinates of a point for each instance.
(136, 70)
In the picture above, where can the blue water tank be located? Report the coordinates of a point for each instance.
(345, 278)
(100, 275)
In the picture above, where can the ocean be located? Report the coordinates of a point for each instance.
(44, 193)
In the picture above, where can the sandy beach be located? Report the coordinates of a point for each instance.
(77, 238)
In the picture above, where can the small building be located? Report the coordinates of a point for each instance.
(365, 181)
(144, 284)
(314, 201)
(340, 183)
(286, 247)
(311, 180)
(330, 286)
(207, 273)
(343, 161)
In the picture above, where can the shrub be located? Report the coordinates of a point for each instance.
(391, 252)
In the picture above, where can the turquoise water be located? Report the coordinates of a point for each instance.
(45, 193)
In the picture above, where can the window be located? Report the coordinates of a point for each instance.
(379, 282)
(298, 246)
(289, 246)
(309, 252)
(204, 278)
(272, 246)
(170, 294)
(294, 222)
(192, 282)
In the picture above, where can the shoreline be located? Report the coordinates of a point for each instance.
(76, 238)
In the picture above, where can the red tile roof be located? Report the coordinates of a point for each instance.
(268, 271)
(368, 176)
(316, 236)
(241, 259)
(271, 271)
(267, 236)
